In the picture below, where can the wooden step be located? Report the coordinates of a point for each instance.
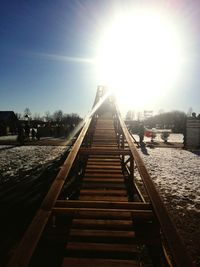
(104, 215)
(103, 165)
(102, 250)
(112, 178)
(105, 158)
(135, 214)
(113, 192)
(101, 170)
(105, 152)
(102, 185)
(104, 175)
(105, 146)
(103, 224)
(105, 137)
(105, 236)
(88, 262)
(103, 198)
(104, 204)
(102, 140)
(115, 180)
(107, 162)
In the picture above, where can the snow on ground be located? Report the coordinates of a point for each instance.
(24, 158)
(176, 174)
(8, 137)
(172, 138)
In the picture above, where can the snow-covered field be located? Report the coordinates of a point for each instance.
(14, 160)
(176, 174)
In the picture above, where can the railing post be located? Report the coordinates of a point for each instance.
(122, 146)
(132, 168)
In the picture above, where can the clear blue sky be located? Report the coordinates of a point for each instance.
(46, 47)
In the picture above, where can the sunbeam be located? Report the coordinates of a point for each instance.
(141, 56)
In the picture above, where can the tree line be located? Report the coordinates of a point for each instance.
(57, 117)
(174, 120)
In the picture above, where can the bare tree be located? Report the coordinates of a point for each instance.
(18, 115)
(37, 116)
(58, 116)
(27, 112)
(48, 116)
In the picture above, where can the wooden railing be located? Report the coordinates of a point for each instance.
(26, 248)
(174, 242)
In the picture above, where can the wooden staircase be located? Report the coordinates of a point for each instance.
(104, 236)
(94, 214)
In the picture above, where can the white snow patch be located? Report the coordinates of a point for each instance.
(176, 175)
(177, 138)
(25, 158)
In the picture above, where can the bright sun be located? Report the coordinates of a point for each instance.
(140, 56)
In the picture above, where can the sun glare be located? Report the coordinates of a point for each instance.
(140, 56)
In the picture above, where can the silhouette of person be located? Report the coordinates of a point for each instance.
(21, 135)
(33, 133)
(141, 132)
(27, 130)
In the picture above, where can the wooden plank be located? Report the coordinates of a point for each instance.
(90, 151)
(115, 180)
(102, 197)
(113, 192)
(108, 146)
(103, 204)
(102, 185)
(105, 176)
(103, 224)
(103, 214)
(102, 140)
(101, 170)
(96, 166)
(148, 215)
(84, 233)
(88, 262)
(103, 160)
(104, 144)
(103, 247)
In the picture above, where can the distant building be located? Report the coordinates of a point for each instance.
(8, 122)
(192, 138)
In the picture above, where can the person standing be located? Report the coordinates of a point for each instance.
(141, 132)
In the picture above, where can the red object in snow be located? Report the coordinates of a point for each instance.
(148, 134)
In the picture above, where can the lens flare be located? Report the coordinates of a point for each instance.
(140, 56)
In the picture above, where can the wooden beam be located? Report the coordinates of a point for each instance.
(103, 204)
(104, 151)
(85, 262)
(147, 214)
